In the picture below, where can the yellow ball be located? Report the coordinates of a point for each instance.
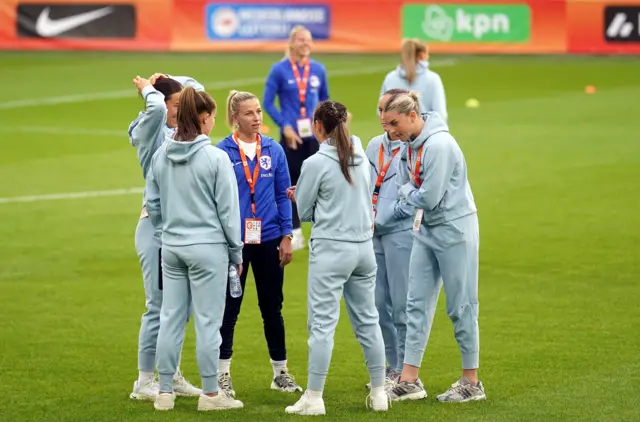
(472, 103)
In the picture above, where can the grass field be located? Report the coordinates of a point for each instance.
(556, 177)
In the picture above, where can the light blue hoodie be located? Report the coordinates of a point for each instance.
(426, 82)
(392, 214)
(338, 210)
(147, 132)
(192, 195)
(445, 193)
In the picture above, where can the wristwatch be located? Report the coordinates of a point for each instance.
(290, 236)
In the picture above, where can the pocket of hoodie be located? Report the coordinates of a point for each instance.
(450, 233)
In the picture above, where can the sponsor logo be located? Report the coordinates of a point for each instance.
(622, 24)
(264, 22)
(464, 23)
(76, 20)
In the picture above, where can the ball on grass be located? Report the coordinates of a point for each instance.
(472, 103)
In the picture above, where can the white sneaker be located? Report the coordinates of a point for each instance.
(145, 391)
(183, 388)
(164, 401)
(298, 240)
(285, 383)
(378, 402)
(307, 406)
(225, 384)
(223, 401)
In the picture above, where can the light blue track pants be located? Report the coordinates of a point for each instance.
(393, 252)
(337, 268)
(148, 247)
(197, 275)
(447, 255)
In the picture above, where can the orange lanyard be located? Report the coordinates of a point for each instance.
(251, 181)
(302, 83)
(383, 172)
(416, 174)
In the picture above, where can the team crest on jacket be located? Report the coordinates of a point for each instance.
(314, 81)
(265, 162)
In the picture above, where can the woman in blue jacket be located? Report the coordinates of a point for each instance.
(445, 248)
(299, 83)
(147, 133)
(263, 178)
(192, 196)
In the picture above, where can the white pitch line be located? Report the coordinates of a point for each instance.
(96, 96)
(71, 195)
(62, 131)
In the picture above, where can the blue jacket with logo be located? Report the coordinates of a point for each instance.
(272, 204)
(281, 83)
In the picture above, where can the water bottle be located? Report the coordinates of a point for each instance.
(235, 288)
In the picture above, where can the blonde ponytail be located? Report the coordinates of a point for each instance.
(409, 57)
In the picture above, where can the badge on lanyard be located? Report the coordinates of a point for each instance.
(252, 226)
(417, 222)
(304, 122)
(383, 172)
(253, 231)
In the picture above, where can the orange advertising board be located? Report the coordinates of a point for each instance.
(601, 27)
(346, 26)
(359, 26)
(85, 24)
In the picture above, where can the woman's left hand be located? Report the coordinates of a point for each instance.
(285, 251)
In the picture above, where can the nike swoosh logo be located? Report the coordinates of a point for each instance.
(46, 27)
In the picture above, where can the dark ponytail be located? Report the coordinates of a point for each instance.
(167, 87)
(333, 117)
(192, 104)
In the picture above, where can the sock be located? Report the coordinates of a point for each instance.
(377, 391)
(278, 367)
(313, 394)
(177, 374)
(145, 377)
(224, 366)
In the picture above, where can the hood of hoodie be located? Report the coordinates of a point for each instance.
(390, 145)
(433, 123)
(181, 152)
(168, 131)
(421, 67)
(326, 148)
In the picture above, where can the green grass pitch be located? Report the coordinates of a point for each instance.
(555, 173)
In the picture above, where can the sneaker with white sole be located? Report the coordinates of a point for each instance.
(389, 379)
(223, 401)
(164, 401)
(183, 388)
(463, 391)
(307, 406)
(405, 390)
(378, 402)
(145, 391)
(225, 384)
(285, 383)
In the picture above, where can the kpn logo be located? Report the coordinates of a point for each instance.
(462, 23)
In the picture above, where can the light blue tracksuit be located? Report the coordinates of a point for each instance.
(445, 249)
(341, 258)
(146, 133)
(192, 195)
(427, 83)
(392, 243)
